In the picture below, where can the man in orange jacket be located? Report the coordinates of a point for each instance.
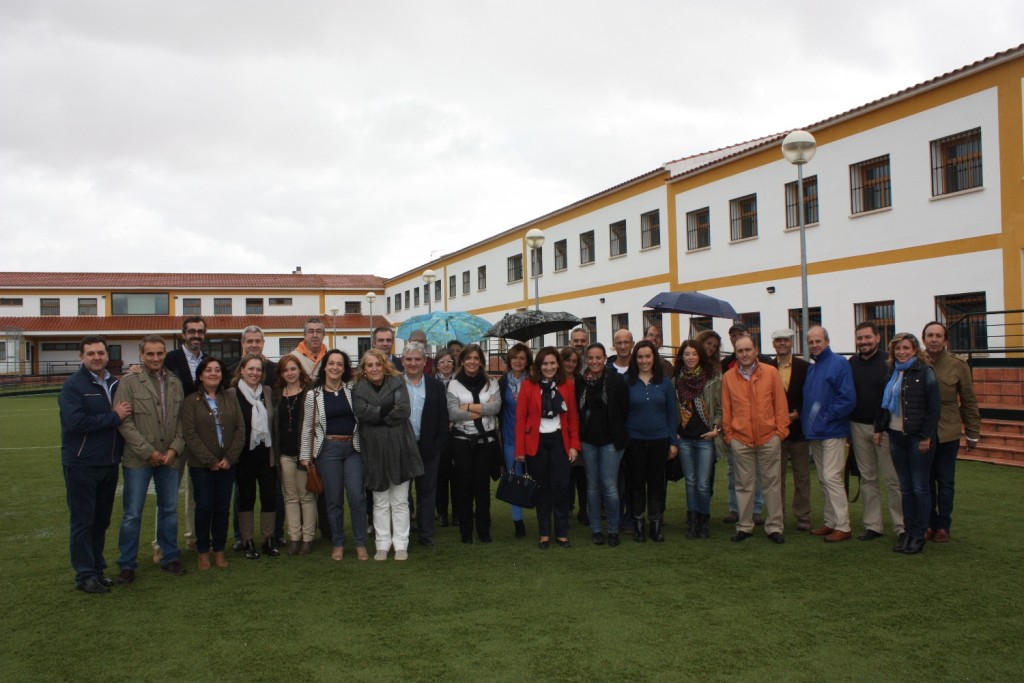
(755, 417)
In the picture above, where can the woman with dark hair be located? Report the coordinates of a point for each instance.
(711, 343)
(572, 362)
(214, 432)
(651, 424)
(547, 431)
(444, 370)
(519, 359)
(256, 464)
(474, 400)
(391, 456)
(330, 433)
(699, 396)
(603, 401)
(299, 504)
(910, 411)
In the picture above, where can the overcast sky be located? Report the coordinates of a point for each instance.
(360, 137)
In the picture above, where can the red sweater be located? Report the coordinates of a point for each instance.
(528, 418)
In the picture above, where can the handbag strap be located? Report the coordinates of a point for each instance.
(312, 432)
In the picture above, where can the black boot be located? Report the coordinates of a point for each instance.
(703, 522)
(656, 534)
(692, 525)
(638, 530)
(914, 546)
(270, 547)
(901, 545)
(250, 551)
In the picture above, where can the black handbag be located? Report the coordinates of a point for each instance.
(517, 489)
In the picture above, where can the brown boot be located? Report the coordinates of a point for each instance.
(220, 560)
(204, 562)
(293, 547)
(307, 548)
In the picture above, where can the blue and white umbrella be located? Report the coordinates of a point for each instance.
(443, 326)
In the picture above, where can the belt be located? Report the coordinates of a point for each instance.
(338, 437)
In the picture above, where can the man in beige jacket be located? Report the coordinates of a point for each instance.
(153, 442)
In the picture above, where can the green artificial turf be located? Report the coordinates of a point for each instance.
(677, 611)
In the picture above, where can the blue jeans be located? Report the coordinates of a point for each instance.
(512, 465)
(914, 469)
(941, 485)
(213, 501)
(601, 464)
(697, 457)
(90, 494)
(341, 468)
(731, 479)
(136, 486)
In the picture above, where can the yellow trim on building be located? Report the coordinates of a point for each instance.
(527, 302)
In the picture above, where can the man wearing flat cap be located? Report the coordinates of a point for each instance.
(792, 372)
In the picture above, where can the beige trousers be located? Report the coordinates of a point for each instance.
(830, 461)
(299, 504)
(748, 461)
(873, 460)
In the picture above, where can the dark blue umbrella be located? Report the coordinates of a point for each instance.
(693, 303)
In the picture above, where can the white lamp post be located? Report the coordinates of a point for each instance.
(334, 324)
(428, 277)
(370, 298)
(535, 240)
(798, 148)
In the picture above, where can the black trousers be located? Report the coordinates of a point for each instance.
(645, 460)
(550, 467)
(473, 490)
(254, 467)
(445, 480)
(426, 491)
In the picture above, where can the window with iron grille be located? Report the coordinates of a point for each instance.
(353, 308)
(406, 299)
(387, 300)
(956, 162)
(753, 324)
(49, 307)
(515, 268)
(452, 287)
(587, 247)
(562, 338)
(11, 301)
(795, 323)
(437, 290)
(465, 282)
(222, 306)
(652, 318)
(591, 326)
(743, 217)
(398, 301)
(561, 255)
(254, 306)
(870, 185)
(650, 229)
(699, 323)
(536, 261)
(286, 345)
(620, 321)
(3, 350)
(416, 297)
(617, 238)
(192, 306)
(810, 202)
(698, 229)
(882, 314)
(88, 307)
(964, 316)
(481, 278)
(426, 293)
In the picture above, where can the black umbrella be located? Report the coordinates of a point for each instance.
(693, 303)
(529, 324)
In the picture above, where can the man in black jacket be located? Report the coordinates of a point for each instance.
(870, 366)
(793, 371)
(183, 361)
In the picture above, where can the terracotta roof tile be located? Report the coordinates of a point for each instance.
(159, 324)
(190, 281)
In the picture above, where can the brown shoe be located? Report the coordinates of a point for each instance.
(307, 548)
(125, 577)
(220, 560)
(158, 556)
(929, 535)
(731, 518)
(338, 554)
(362, 555)
(822, 531)
(837, 536)
(293, 547)
(204, 562)
(940, 536)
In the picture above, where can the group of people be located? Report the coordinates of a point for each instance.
(600, 431)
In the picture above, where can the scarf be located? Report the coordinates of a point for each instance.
(514, 384)
(891, 394)
(260, 423)
(304, 350)
(551, 402)
(594, 387)
(689, 387)
(475, 385)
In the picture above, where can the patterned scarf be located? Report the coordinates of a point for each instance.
(592, 384)
(551, 402)
(689, 386)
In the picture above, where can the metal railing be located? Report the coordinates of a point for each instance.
(976, 334)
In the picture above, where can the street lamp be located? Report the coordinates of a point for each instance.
(370, 298)
(535, 240)
(334, 324)
(798, 148)
(429, 276)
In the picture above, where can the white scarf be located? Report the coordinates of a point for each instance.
(260, 423)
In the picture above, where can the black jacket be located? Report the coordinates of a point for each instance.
(618, 406)
(177, 365)
(795, 395)
(434, 423)
(919, 401)
(869, 379)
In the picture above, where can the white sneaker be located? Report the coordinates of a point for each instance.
(401, 555)
(380, 555)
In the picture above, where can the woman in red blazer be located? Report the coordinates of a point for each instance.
(548, 436)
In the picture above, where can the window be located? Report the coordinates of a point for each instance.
(416, 297)
(561, 255)
(956, 162)
(288, 344)
(964, 315)
(617, 238)
(398, 301)
(587, 247)
(515, 268)
(191, 306)
(562, 338)
(743, 217)
(222, 306)
(140, 304)
(699, 323)
(452, 286)
(388, 300)
(652, 318)
(870, 185)
(280, 301)
(465, 282)
(481, 278)
(591, 326)
(698, 229)
(437, 290)
(426, 294)
(882, 314)
(619, 321)
(49, 307)
(810, 203)
(795, 323)
(88, 307)
(11, 301)
(536, 262)
(406, 299)
(354, 308)
(753, 323)
(650, 229)
(3, 350)
(59, 346)
(254, 306)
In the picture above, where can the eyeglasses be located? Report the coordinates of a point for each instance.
(316, 333)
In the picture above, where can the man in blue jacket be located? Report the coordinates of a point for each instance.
(829, 398)
(91, 450)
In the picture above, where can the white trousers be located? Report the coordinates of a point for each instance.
(391, 514)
